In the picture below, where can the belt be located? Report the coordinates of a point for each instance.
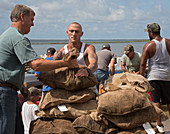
(9, 85)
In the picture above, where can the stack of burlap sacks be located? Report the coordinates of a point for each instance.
(124, 108)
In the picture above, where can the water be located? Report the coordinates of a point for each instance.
(40, 46)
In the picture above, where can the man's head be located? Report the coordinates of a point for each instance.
(23, 17)
(129, 51)
(74, 32)
(106, 46)
(34, 93)
(153, 29)
(50, 52)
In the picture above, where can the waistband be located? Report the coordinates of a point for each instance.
(9, 85)
(102, 70)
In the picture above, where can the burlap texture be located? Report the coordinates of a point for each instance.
(122, 102)
(137, 130)
(74, 110)
(60, 96)
(73, 53)
(86, 125)
(65, 78)
(128, 81)
(134, 119)
(51, 126)
(127, 109)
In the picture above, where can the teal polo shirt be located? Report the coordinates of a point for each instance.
(15, 51)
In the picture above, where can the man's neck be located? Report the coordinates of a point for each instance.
(158, 37)
(16, 25)
(76, 45)
(31, 102)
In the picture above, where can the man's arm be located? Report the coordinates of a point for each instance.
(144, 57)
(123, 67)
(91, 62)
(138, 72)
(92, 58)
(47, 65)
(112, 66)
(167, 42)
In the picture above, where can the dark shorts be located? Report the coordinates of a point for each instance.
(161, 92)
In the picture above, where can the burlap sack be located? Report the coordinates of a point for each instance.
(138, 130)
(74, 110)
(51, 126)
(122, 102)
(128, 81)
(65, 78)
(60, 96)
(127, 109)
(135, 119)
(86, 125)
(73, 53)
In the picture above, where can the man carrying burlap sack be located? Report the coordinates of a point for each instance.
(87, 55)
(65, 78)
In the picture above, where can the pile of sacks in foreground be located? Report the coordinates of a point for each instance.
(74, 109)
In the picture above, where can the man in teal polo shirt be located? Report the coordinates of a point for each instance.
(15, 52)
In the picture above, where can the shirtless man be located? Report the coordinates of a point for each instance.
(158, 53)
(87, 52)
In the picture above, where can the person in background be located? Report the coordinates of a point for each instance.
(130, 61)
(29, 107)
(105, 57)
(87, 55)
(157, 52)
(15, 52)
(50, 54)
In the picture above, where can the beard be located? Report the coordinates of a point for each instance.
(150, 38)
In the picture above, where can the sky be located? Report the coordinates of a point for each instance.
(100, 19)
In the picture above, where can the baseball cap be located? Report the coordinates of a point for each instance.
(34, 91)
(153, 27)
(105, 46)
(127, 49)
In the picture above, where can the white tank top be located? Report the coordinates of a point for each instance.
(80, 59)
(159, 64)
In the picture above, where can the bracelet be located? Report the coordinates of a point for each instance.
(89, 71)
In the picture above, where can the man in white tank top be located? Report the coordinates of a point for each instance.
(158, 53)
(87, 52)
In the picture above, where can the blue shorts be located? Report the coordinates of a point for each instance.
(161, 92)
(101, 76)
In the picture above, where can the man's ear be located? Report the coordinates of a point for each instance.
(82, 33)
(22, 16)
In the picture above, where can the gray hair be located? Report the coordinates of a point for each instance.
(18, 10)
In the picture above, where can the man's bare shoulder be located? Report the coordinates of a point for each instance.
(149, 49)
(149, 45)
(89, 46)
(167, 42)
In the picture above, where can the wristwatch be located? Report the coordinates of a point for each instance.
(89, 71)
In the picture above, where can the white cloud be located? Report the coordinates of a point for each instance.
(115, 15)
(99, 18)
(158, 7)
(138, 14)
